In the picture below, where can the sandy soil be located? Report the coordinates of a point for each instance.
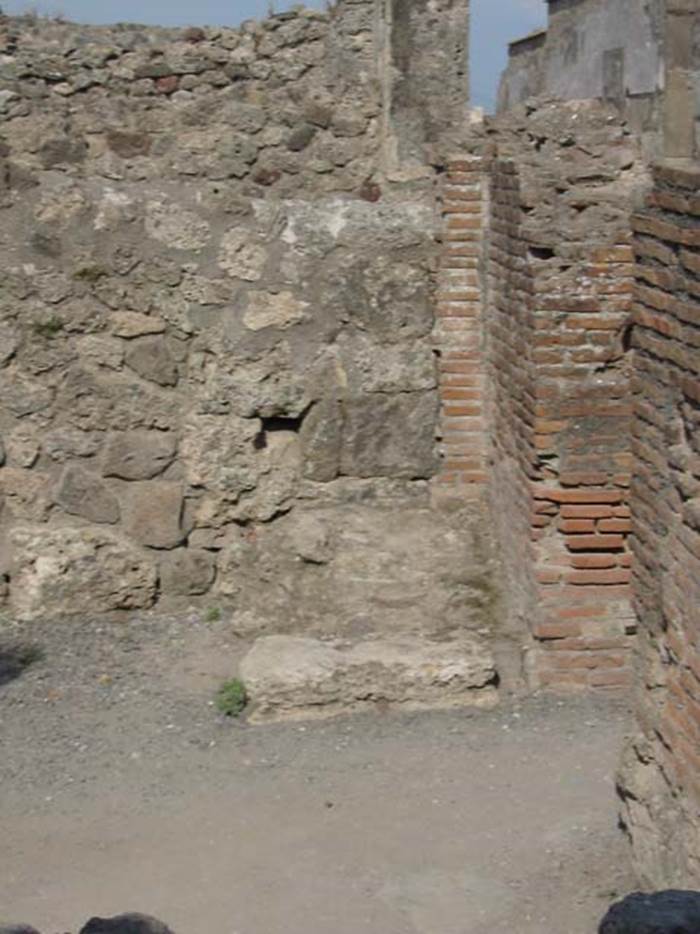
(124, 789)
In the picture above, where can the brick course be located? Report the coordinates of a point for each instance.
(661, 778)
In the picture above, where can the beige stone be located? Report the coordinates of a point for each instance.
(130, 324)
(175, 226)
(273, 309)
(62, 570)
(26, 493)
(291, 677)
(241, 258)
(22, 446)
(101, 351)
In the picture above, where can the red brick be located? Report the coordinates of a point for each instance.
(615, 525)
(600, 576)
(562, 630)
(590, 562)
(576, 525)
(588, 512)
(595, 542)
(614, 677)
(579, 496)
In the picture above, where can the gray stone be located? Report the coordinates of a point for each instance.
(375, 368)
(295, 677)
(131, 923)
(22, 446)
(17, 929)
(63, 150)
(9, 342)
(83, 494)
(66, 442)
(151, 359)
(153, 514)
(300, 138)
(23, 396)
(187, 572)
(670, 912)
(390, 435)
(129, 145)
(56, 571)
(138, 455)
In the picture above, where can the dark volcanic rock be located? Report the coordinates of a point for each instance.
(17, 929)
(670, 912)
(130, 923)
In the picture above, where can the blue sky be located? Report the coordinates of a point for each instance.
(494, 23)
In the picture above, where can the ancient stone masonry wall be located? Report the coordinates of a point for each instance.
(557, 334)
(217, 301)
(660, 781)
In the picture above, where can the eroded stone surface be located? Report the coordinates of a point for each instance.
(296, 677)
(57, 569)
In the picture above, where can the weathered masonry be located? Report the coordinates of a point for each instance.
(217, 310)
(281, 328)
(582, 328)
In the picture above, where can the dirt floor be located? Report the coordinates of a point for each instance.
(124, 789)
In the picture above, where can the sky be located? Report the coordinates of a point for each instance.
(494, 23)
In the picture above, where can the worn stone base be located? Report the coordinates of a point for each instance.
(290, 677)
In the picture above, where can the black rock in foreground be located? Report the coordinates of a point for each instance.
(126, 924)
(17, 929)
(671, 912)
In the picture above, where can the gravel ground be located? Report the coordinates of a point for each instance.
(124, 789)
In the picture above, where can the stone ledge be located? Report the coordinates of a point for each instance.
(289, 677)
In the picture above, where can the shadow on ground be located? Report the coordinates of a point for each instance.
(15, 659)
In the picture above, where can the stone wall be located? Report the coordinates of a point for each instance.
(642, 56)
(660, 780)
(217, 291)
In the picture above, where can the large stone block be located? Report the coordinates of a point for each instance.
(219, 453)
(153, 513)
(321, 439)
(151, 359)
(187, 572)
(295, 677)
(64, 571)
(26, 493)
(130, 923)
(138, 455)
(390, 435)
(81, 493)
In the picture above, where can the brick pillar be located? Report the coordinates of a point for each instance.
(458, 330)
